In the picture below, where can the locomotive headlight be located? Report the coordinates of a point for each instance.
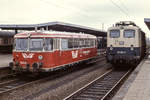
(40, 57)
(132, 48)
(111, 47)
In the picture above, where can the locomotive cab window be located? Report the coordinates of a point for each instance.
(36, 44)
(129, 33)
(114, 33)
(21, 44)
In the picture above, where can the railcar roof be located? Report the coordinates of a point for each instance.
(54, 34)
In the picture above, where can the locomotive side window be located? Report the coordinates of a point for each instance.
(36, 45)
(21, 44)
(64, 44)
(129, 33)
(48, 44)
(114, 33)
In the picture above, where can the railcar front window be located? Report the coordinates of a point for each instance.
(36, 45)
(21, 44)
(114, 33)
(129, 33)
(48, 44)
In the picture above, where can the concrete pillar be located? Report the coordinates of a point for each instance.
(46, 28)
(16, 31)
(36, 28)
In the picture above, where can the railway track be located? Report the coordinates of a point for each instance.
(101, 88)
(20, 82)
(16, 83)
(4, 71)
(8, 76)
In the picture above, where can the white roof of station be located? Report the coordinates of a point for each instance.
(56, 26)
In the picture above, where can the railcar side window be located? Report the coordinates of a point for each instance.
(76, 43)
(54, 43)
(64, 44)
(81, 43)
(92, 43)
(129, 33)
(114, 33)
(70, 43)
(21, 44)
(58, 43)
(87, 42)
(48, 44)
(36, 45)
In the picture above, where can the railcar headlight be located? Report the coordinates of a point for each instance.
(111, 47)
(40, 57)
(132, 48)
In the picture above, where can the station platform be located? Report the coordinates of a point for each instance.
(137, 86)
(101, 51)
(5, 59)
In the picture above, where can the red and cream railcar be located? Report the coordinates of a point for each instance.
(48, 51)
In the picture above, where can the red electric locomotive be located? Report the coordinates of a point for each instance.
(47, 51)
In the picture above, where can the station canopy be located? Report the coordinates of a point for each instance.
(147, 22)
(56, 26)
(7, 33)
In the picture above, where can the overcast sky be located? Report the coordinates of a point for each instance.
(91, 13)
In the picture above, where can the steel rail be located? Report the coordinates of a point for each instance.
(100, 88)
(20, 84)
(68, 97)
(109, 92)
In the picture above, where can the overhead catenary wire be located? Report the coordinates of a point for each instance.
(123, 5)
(122, 10)
(60, 6)
(75, 8)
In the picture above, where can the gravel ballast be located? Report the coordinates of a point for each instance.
(60, 87)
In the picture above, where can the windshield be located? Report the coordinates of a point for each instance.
(36, 45)
(48, 44)
(21, 44)
(129, 33)
(114, 33)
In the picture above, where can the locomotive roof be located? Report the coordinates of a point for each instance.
(53, 34)
(126, 25)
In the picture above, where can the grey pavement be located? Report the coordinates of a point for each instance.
(5, 59)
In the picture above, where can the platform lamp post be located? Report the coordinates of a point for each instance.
(102, 26)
